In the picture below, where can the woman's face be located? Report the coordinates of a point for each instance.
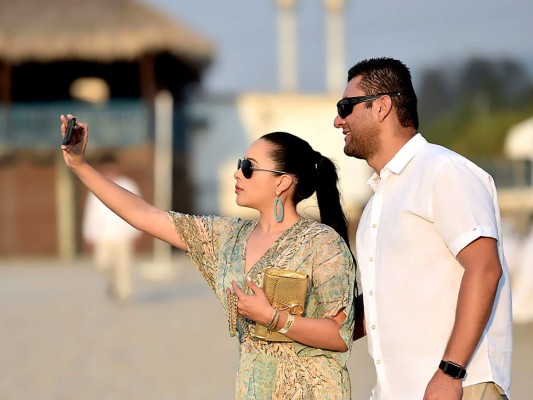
(259, 191)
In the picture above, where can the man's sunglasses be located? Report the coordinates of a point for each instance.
(345, 106)
(247, 168)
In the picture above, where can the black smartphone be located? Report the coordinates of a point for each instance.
(69, 131)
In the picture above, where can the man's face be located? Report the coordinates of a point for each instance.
(359, 127)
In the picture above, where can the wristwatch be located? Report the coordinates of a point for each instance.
(452, 369)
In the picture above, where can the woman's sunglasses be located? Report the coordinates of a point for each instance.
(345, 106)
(247, 168)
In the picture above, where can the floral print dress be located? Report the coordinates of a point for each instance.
(269, 370)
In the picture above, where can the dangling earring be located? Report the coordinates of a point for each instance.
(279, 217)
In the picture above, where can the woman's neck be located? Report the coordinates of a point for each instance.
(268, 224)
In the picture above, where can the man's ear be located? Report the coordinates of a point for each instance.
(383, 107)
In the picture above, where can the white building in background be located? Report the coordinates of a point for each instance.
(519, 146)
(518, 202)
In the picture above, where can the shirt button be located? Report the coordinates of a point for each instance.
(373, 326)
(371, 258)
(371, 293)
(374, 225)
(378, 362)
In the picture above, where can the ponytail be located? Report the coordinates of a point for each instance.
(328, 197)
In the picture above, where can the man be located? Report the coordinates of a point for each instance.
(435, 282)
(112, 239)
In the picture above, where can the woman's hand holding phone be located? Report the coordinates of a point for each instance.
(74, 140)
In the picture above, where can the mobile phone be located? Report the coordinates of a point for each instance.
(69, 131)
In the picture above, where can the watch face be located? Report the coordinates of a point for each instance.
(452, 369)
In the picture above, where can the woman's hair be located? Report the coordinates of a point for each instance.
(313, 173)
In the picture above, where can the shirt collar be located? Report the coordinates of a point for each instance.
(400, 159)
(406, 153)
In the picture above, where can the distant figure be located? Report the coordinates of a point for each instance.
(112, 239)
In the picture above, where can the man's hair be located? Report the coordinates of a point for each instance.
(387, 75)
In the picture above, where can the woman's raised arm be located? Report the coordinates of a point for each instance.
(130, 207)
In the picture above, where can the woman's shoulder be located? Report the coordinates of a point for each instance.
(319, 230)
(209, 219)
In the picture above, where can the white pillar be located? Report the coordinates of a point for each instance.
(163, 166)
(287, 46)
(335, 68)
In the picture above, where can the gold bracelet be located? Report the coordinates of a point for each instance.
(272, 325)
(272, 319)
(288, 324)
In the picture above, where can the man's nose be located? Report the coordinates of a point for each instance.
(338, 121)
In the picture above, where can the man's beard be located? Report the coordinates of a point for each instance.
(363, 149)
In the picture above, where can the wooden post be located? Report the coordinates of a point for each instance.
(147, 80)
(5, 82)
(65, 210)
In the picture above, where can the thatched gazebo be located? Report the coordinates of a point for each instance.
(118, 54)
(45, 45)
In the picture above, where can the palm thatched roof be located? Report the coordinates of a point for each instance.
(93, 30)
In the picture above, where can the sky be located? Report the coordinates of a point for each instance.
(421, 33)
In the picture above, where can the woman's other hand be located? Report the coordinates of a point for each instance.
(256, 306)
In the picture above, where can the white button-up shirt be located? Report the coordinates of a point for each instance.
(428, 204)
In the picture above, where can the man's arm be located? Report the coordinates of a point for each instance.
(359, 326)
(474, 306)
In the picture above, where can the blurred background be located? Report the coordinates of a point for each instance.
(176, 91)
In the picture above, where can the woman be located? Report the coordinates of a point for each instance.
(277, 172)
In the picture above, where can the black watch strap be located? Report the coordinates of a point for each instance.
(452, 369)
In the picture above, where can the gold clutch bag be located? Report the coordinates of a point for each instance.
(286, 291)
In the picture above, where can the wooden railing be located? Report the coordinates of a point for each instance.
(35, 125)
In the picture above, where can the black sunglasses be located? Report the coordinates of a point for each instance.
(345, 106)
(247, 168)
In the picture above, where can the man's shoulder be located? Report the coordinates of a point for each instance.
(440, 156)
(436, 160)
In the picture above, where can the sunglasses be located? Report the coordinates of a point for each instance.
(247, 168)
(345, 106)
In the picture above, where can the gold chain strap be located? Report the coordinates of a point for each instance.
(232, 313)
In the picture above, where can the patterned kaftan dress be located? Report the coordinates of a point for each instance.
(268, 370)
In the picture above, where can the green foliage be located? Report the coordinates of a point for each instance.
(471, 109)
(475, 135)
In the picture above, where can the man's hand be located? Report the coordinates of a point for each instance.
(443, 387)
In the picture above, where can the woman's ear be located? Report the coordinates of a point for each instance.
(285, 183)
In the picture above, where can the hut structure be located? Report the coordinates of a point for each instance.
(46, 45)
(105, 61)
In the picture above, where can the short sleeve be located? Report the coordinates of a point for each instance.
(463, 204)
(333, 283)
(201, 235)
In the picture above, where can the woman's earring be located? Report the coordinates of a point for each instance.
(278, 202)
